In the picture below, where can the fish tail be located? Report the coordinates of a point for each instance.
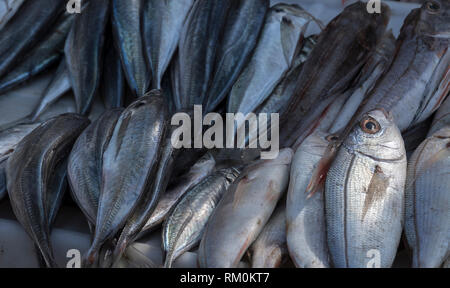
(122, 244)
(92, 255)
(168, 259)
(45, 259)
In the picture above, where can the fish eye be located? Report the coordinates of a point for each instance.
(331, 138)
(433, 6)
(370, 125)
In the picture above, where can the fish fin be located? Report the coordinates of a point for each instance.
(320, 172)
(138, 259)
(377, 188)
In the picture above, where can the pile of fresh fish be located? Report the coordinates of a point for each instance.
(364, 131)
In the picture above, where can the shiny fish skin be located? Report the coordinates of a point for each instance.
(270, 248)
(243, 212)
(85, 163)
(336, 59)
(113, 85)
(32, 171)
(427, 212)
(202, 168)
(83, 50)
(379, 61)
(127, 17)
(416, 82)
(9, 138)
(272, 58)
(241, 34)
(305, 216)
(186, 223)
(58, 86)
(3, 162)
(364, 195)
(46, 53)
(278, 100)
(163, 23)
(197, 50)
(441, 118)
(129, 160)
(24, 29)
(7, 10)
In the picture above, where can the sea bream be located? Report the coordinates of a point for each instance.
(427, 208)
(364, 194)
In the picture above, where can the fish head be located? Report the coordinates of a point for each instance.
(434, 19)
(377, 136)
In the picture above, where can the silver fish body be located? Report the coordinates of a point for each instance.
(34, 176)
(305, 214)
(46, 53)
(3, 162)
(113, 85)
(427, 208)
(129, 160)
(185, 225)
(243, 212)
(364, 194)
(202, 168)
(163, 23)
(127, 18)
(85, 163)
(58, 86)
(9, 138)
(340, 52)
(240, 37)
(441, 118)
(7, 10)
(418, 80)
(270, 248)
(272, 58)
(22, 31)
(85, 45)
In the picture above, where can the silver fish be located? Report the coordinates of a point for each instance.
(127, 18)
(419, 78)
(130, 158)
(270, 248)
(163, 22)
(22, 31)
(85, 163)
(441, 118)
(364, 194)
(3, 161)
(9, 138)
(202, 168)
(184, 227)
(46, 53)
(85, 45)
(243, 212)
(113, 86)
(341, 51)
(240, 37)
(197, 49)
(272, 58)
(58, 86)
(34, 174)
(7, 10)
(427, 208)
(305, 214)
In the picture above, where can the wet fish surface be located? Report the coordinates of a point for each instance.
(240, 37)
(364, 194)
(34, 175)
(85, 163)
(130, 158)
(202, 168)
(127, 18)
(243, 212)
(270, 248)
(7, 10)
(305, 214)
(3, 162)
(85, 45)
(44, 55)
(441, 118)
(23, 30)
(163, 23)
(279, 40)
(427, 213)
(185, 225)
(338, 56)
(113, 85)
